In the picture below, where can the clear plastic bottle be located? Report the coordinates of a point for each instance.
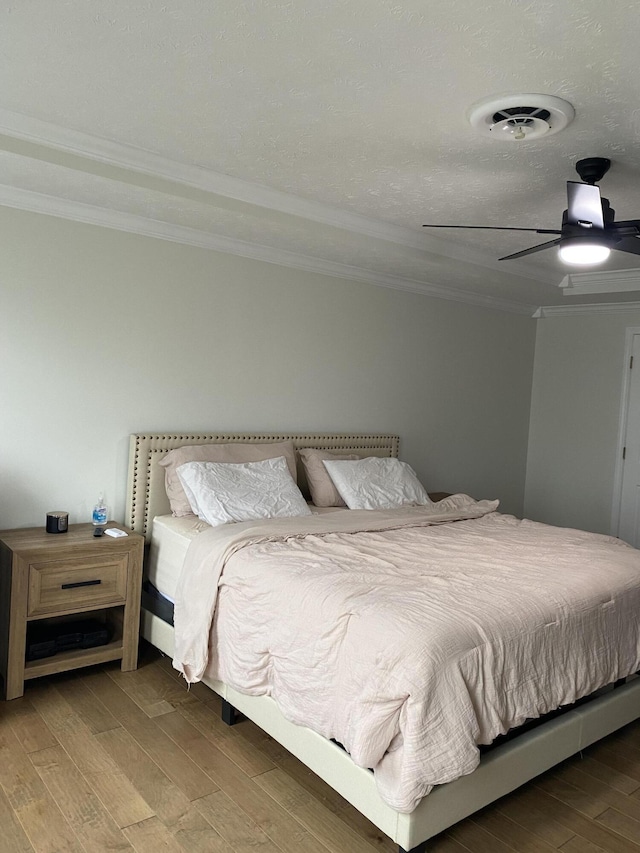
(99, 517)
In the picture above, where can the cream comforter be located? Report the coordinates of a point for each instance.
(410, 636)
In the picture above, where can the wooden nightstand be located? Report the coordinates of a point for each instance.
(53, 578)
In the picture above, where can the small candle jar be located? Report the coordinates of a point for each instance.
(57, 522)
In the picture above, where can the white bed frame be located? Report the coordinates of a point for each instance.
(501, 770)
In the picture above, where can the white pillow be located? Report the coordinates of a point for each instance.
(224, 491)
(376, 483)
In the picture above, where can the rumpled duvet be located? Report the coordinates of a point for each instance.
(410, 636)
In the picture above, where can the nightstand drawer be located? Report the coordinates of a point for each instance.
(76, 584)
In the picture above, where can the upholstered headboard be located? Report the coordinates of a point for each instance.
(146, 496)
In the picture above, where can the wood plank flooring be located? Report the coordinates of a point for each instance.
(101, 760)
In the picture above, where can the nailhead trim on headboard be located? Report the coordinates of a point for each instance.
(146, 496)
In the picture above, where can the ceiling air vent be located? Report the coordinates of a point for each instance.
(520, 117)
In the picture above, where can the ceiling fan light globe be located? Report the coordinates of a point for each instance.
(583, 254)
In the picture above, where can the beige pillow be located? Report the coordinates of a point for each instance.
(217, 453)
(321, 488)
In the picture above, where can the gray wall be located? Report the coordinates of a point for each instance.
(104, 333)
(575, 413)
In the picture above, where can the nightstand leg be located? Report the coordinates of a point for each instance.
(14, 682)
(130, 658)
(130, 636)
(14, 691)
(131, 618)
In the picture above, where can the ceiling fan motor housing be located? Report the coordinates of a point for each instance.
(592, 169)
(520, 117)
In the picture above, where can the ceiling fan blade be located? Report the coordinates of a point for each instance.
(585, 204)
(628, 244)
(625, 228)
(530, 251)
(498, 228)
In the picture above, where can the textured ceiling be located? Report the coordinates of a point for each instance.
(355, 112)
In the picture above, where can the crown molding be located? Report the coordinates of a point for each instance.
(77, 143)
(601, 281)
(595, 308)
(121, 221)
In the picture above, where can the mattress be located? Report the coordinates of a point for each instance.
(170, 539)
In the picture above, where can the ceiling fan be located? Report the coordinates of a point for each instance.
(588, 232)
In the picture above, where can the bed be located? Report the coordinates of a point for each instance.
(501, 769)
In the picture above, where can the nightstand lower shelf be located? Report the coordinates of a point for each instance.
(74, 659)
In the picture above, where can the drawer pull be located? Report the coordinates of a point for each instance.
(80, 583)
